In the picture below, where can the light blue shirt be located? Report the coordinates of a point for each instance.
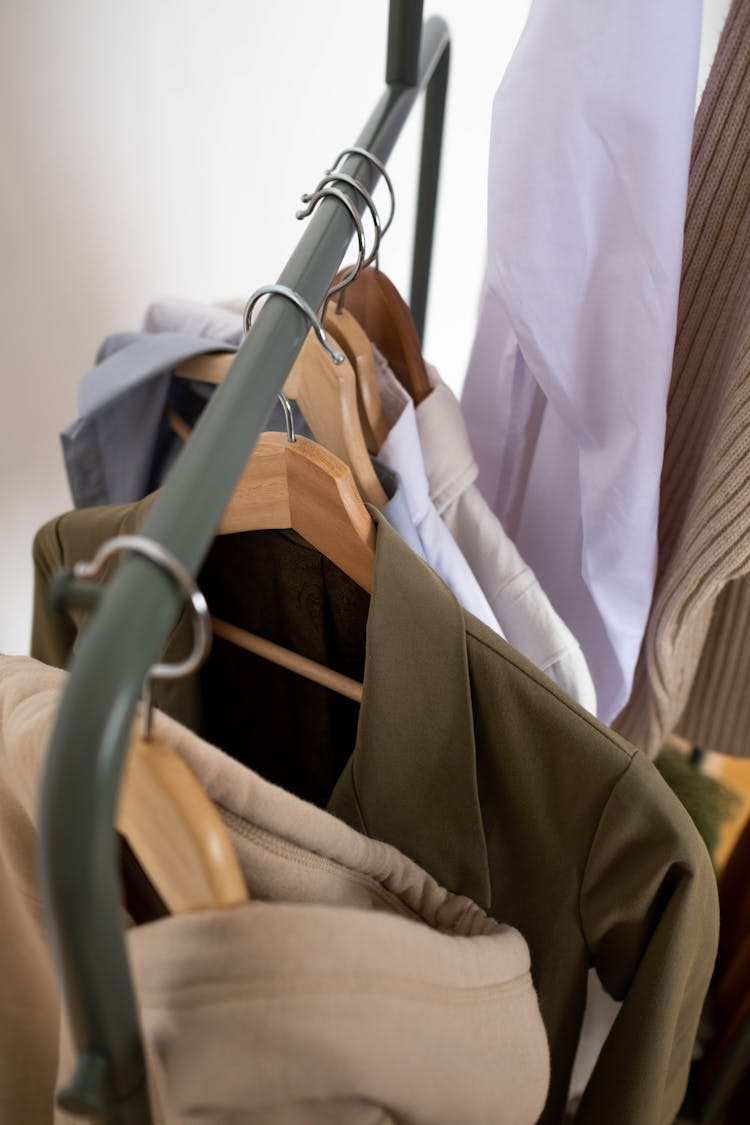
(121, 447)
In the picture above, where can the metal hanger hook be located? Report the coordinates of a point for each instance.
(304, 308)
(150, 549)
(288, 416)
(343, 177)
(359, 264)
(380, 167)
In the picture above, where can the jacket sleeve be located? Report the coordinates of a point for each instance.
(53, 632)
(76, 535)
(58, 544)
(649, 909)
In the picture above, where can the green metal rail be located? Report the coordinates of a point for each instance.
(129, 629)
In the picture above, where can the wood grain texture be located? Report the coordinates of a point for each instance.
(328, 398)
(176, 832)
(386, 318)
(303, 486)
(346, 330)
(277, 654)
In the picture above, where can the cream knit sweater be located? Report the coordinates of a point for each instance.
(694, 666)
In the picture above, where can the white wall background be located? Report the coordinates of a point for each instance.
(159, 147)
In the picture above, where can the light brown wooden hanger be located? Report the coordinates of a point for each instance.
(175, 831)
(208, 368)
(299, 485)
(167, 818)
(293, 661)
(302, 485)
(386, 318)
(327, 396)
(346, 330)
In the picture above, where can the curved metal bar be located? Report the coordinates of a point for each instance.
(159, 554)
(77, 852)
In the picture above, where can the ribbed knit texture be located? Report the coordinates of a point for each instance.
(692, 673)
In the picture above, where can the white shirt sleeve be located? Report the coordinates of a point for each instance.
(565, 396)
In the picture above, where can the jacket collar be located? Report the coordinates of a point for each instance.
(412, 777)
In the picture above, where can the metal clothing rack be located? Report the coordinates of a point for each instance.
(132, 621)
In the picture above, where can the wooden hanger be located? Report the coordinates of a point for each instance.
(386, 318)
(299, 485)
(327, 396)
(346, 330)
(176, 832)
(302, 485)
(170, 823)
(293, 661)
(208, 368)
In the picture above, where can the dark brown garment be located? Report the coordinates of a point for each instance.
(730, 987)
(272, 583)
(291, 730)
(479, 768)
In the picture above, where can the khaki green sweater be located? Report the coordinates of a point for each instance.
(476, 766)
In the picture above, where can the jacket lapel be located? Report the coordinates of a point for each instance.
(412, 780)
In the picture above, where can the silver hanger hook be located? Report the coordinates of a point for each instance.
(359, 264)
(150, 549)
(288, 416)
(343, 177)
(356, 151)
(304, 308)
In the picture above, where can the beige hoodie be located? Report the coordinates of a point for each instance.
(353, 990)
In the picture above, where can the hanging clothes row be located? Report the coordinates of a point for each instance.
(441, 515)
(455, 734)
(410, 839)
(608, 417)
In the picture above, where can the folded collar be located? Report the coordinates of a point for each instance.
(412, 777)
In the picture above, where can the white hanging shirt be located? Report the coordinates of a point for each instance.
(565, 396)
(521, 606)
(402, 452)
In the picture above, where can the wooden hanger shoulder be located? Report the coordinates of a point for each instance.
(327, 396)
(331, 517)
(386, 318)
(346, 330)
(208, 368)
(302, 485)
(176, 832)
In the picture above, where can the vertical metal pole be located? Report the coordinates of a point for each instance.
(432, 143)
(404, 38)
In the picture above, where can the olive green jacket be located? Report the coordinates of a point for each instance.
(468, 759)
